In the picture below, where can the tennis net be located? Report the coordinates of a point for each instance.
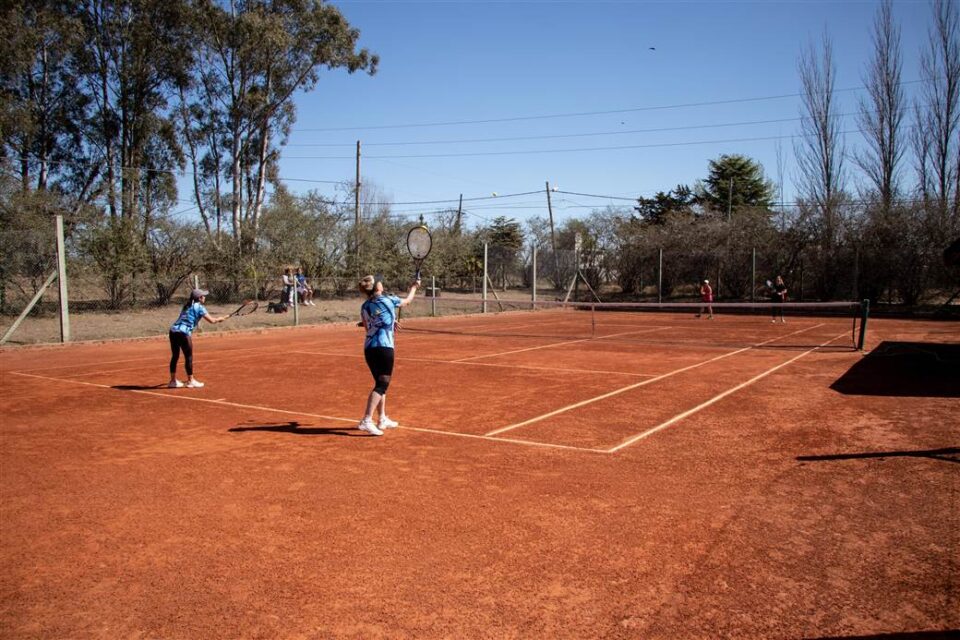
(731, 324)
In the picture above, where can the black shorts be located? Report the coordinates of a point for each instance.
(380, 361)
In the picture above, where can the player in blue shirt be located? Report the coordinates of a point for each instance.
(379, 319)
(181, 339)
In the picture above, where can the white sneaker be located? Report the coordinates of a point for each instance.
(194, 384)
(387, 423)
(174, 384)
(367, 425)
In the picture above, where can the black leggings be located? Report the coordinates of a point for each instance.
(380, 361)
(181, 342)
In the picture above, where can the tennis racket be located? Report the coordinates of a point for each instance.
(419, 244)
(248, 307)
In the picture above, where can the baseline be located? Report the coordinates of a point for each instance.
(541, 445)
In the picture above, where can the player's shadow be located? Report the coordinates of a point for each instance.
(295, 428)
(905, 369)
(138, 387)
(947, 454)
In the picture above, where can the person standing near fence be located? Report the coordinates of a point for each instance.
(289, 282)
(379, 318)
(706, 299)
(181, 338)
(778, 295)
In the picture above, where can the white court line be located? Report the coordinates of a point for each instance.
(716, 398)
(484, 364)
(150, 358)
(529, 443)
(560, 344)
(176, 396)
(637, 385)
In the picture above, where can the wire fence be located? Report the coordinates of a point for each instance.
(108, 301)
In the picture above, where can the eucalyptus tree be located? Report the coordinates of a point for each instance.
(42, 114)
(253, 56)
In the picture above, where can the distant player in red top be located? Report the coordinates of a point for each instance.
(706, 298)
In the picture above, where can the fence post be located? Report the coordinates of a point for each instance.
(660, 275)
(484, 290)
(296, 304)
(753, 276)
(533, 278)
(62, 277)
(433, 301)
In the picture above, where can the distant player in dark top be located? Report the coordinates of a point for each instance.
(778, 295)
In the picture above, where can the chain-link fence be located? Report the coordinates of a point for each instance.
(108, 301)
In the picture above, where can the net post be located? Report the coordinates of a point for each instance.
(484, 294)
(62, 281)
(593, 320)
(864, 314)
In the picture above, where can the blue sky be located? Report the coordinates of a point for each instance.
(525, 67)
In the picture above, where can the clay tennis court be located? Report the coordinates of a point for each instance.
(727, 479)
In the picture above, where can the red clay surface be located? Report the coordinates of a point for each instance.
(537, 487)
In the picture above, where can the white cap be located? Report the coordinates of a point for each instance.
(706, 282)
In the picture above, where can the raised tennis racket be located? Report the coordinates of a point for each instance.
(248, 307)
(419, 244)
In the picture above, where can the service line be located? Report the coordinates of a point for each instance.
(615, 392)
(716, 398)
(484, 364)
(561, 344)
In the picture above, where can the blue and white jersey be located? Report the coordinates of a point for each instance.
(189, 318)
(380, 316)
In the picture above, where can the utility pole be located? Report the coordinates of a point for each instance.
(356, 215)
(553, 237)
(729, 199)
(456, 229)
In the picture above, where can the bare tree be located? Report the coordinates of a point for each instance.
(819, 153)
(820, 150)
(938, 113)
(881, 114)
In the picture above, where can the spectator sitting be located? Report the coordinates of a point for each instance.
(304, 291)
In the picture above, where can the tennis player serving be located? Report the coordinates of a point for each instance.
(379, 317)
(181, 338)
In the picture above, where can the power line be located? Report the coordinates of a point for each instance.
(585, 113)
(566, 135)
(574, 150)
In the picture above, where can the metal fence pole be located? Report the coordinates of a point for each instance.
(533, 278)
(62, 276)
(484, 289)
(660, 275)
(296, 303)
(433, 301)
(753, 276)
